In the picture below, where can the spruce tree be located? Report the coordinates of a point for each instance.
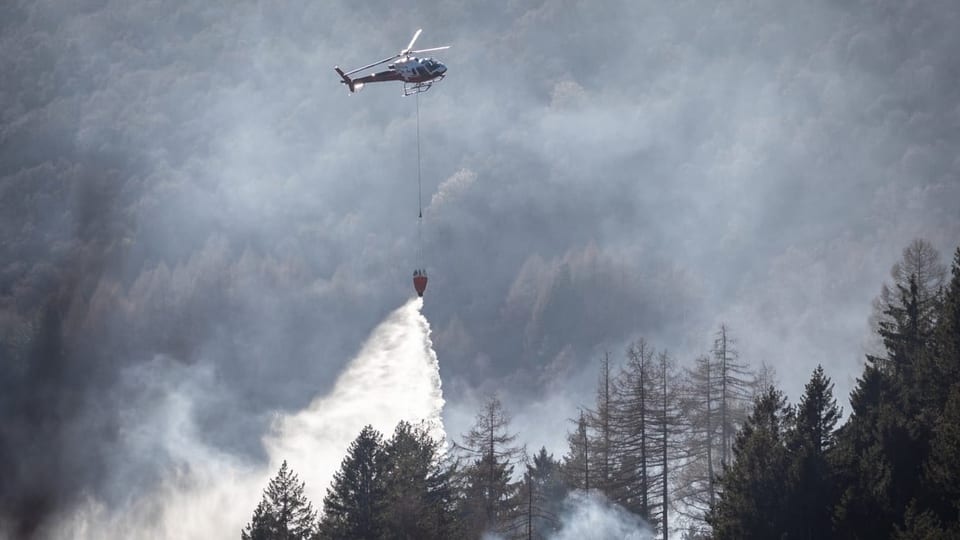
(919, 262)
(284, 513)
(542, 495)
(864, 508)
(886, 442)
(418, 498)
(354, 505)
(812, 483)
(752, 499)
(942, 471)
(946, 338)
(575, 467)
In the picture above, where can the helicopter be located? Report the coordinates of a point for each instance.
(417, 74)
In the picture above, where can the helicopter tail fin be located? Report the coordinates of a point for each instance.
(347, 80)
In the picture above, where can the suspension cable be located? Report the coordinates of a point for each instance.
(419, 189)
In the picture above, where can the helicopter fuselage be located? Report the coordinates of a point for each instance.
(412, 70)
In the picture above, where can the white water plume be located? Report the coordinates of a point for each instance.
(212, 494)
(394, 377)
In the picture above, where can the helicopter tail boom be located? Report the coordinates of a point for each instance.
(346, 80)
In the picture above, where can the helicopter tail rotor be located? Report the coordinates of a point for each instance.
(347, 80)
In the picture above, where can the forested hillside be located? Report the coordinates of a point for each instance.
(710, 450)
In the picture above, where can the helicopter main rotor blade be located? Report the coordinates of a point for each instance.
(412, 41)
(429, 50)
(384, 61)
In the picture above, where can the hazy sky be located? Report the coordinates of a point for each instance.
(185, 187)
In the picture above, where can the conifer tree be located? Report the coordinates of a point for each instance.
(751, 501)
(735, 389)
(919, 262)
(812, 491)
(492, 503)
(284, 513)
(635, 409)
(541, 497)
(601, 424)
(575, 467)
(942, 470)
(863, 510)
(696, 487)
(645, 423)
(418, 498)
(946, 339)
(670, 428)
(354, 505)
(885, 443)
(942, 473)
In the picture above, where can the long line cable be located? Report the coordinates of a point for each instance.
(419, 189)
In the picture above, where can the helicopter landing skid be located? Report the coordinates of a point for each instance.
(410, 89)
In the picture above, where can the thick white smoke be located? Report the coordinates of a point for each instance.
(590, 515)
(212, 494)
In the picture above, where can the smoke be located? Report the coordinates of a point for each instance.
(590, 515)
(209, 493)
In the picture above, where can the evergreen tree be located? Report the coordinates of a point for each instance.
(262, 526)
(942, 471)
(354, 505)
(885, 443)
(284, 513)
(418, 498)
(575, 468)
(920, 263)
(752, 499)
(812, 479)
(908, 313)
(864, 509)
(946, 339)
(541, 497)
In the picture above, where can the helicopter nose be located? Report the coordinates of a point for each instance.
(441, 68)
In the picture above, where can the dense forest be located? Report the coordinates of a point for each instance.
(711, 450)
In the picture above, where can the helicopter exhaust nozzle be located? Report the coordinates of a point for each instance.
(346, 80)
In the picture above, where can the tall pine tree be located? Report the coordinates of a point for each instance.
(812, 480)
(418, 496)
(541, 497)
(284, 513)
(354, 505)
(752, 500)
(575, 467)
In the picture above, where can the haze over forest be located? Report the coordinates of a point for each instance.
(201, 232)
